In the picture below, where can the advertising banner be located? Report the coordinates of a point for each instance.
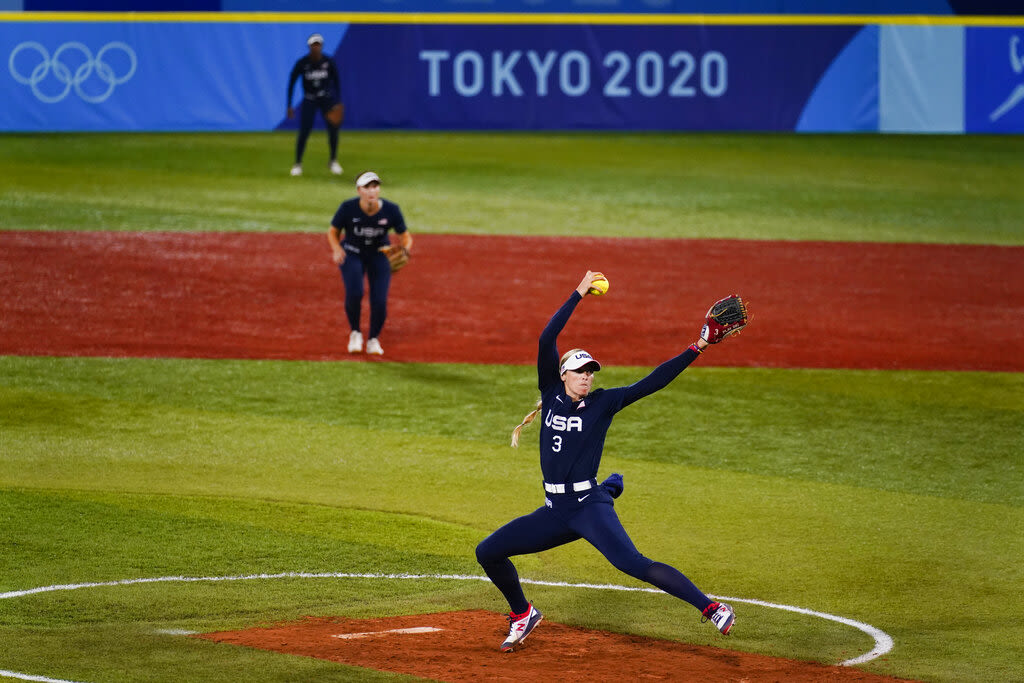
(921, 86)
(994, 84)
(128, 76)
(556, 77)
(199, 75)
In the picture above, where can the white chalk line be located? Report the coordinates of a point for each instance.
(28, 677)
(400, 631)
(883, 641)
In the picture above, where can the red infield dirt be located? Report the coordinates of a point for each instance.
(482, 299)
(466, 649)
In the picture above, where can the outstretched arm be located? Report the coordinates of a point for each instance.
(662, 375)
(725, 318)
(547, 348)
(547, 351)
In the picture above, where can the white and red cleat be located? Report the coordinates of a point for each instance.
(520, 626)
(721, 615)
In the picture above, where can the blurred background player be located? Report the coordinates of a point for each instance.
(365, 220)
(321, 90)
(572, 434)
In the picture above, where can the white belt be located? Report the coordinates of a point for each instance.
(577, 486)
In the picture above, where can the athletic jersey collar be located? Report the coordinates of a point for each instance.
(563, 398)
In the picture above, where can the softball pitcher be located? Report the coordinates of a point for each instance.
(576, 418)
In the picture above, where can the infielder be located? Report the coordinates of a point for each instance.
(366, 220)
(572, 434)
(321, 91)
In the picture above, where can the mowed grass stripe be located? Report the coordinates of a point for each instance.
(894, 430)
(944, 189)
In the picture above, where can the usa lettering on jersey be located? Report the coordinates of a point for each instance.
(368, 231)
(561, 423)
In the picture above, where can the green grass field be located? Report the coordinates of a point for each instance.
(893, 498)
(831, 187)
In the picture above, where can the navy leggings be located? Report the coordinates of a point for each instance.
(307, 112)
(376, 269)
(547, 528)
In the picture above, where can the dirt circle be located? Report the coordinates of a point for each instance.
(463, 646)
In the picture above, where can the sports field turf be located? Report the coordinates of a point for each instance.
(942, 189)
(890, 497)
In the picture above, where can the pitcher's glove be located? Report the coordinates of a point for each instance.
(397, 255)
(727, 316)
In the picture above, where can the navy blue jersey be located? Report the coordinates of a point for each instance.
(572, 433)
(363, 234)
(319, 79)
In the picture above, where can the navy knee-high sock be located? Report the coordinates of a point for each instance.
(504, 576)
(300, 144)
(332, 141)
(673, 582)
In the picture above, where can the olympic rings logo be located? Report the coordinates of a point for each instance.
(62, 72)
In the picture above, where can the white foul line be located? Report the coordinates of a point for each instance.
(883, 641)
(27, 677)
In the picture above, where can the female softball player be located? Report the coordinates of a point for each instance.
(365, 220)
(321, 90)
(572, 434)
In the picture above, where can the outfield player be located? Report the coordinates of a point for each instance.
(321, 91)
(365, 221)
(575, 420)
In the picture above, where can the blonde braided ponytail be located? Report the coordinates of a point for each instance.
(526, 420)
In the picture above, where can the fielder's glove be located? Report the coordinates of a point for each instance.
(614, 485)
(335, 115)
(397, 255)
(727, 316)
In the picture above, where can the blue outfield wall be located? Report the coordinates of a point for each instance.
(147, 76)
(203, 73)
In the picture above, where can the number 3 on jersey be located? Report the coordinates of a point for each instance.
(556, 444)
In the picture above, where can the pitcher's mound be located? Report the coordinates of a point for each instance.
(463, 646)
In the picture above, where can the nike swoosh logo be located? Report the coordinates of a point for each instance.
(581, 498)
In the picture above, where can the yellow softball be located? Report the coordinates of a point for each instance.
(599, 287)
